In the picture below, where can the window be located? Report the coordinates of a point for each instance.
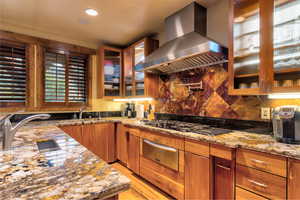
(65, 78)
(13, 73)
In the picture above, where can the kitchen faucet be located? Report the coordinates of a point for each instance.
(8, 131)
(81, 111)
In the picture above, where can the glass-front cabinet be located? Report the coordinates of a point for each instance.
(136, 82)
(286, 44)
(139, 76)
(110, 71)
(128, 72)
(264, 50)
(246, 45)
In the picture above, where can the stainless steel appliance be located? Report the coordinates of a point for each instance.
(286, 124)
(187, 46)
(164, 155)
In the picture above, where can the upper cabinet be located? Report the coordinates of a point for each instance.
(119, 73)
(139, 77)
(136, 82)
(264, 45)
(286, 43)
(110, 72)
(244, 53)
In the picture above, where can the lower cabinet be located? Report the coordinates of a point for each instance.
(134, 153)
(122, 143)
(98, 138)
(197, 177)
(75, 131)
(223, 179)
(293, 179)
(101, 140)
(241, 194)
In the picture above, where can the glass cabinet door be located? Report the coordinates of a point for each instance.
(139, 56)
(246, 44)
(286, 43)
(112, 72)
(128, 72)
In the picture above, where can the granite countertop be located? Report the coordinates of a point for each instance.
(72, 172)
(236, 139)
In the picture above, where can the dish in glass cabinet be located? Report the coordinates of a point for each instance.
(287, 83)
(243, 86)
(254, 85)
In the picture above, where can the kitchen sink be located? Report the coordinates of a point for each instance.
(47, 145)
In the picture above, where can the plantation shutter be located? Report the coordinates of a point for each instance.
(77, 78)
(65, 78)
(13, 73)
(55, 77)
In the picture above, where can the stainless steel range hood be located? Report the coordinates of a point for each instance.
(187, 46)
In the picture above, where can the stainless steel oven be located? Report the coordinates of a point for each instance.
(162, 154)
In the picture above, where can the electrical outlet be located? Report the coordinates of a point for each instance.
(266, 113)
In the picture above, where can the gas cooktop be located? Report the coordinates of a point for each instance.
(187, 127)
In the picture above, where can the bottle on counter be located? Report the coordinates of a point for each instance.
(129, 111)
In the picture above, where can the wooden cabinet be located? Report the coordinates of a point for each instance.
(98, 138)
(134, 153)
(263, 183)
(88, 132)
(110, 72)
(75, 131)
(293, 179)
(241, 194)
(104, 141)
(262, 161)
(223, 186)
(136, 82)
(197, 177)
(263, 55)
(128, 147)
(122, 143)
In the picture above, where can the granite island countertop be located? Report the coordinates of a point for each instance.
(236, 139)
(72, 172)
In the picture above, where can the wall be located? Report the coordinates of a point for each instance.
(213, 101)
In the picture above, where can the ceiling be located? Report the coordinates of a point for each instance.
(119, 22)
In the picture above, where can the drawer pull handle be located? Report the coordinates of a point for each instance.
(258, 162)
(257, 183)
(223, 167)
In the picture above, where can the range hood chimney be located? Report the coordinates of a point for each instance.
(187, 46)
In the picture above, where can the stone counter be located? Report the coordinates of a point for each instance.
(236, 139)
(72, 172)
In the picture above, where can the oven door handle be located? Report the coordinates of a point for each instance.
(160, 146)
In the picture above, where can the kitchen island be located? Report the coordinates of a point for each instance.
(70, 172)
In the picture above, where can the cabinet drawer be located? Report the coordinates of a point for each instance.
(262, 161)
(165, 139)
(196, 147)
(222, 152)
(241, 194)
(263, 183)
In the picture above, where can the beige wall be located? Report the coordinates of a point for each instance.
(217, 22)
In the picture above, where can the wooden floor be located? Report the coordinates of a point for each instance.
(140, 188)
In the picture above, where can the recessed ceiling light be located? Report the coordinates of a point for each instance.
(91, 12)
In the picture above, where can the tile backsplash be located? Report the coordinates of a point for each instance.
(213, 100)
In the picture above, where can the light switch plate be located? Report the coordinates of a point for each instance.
(266, 113)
